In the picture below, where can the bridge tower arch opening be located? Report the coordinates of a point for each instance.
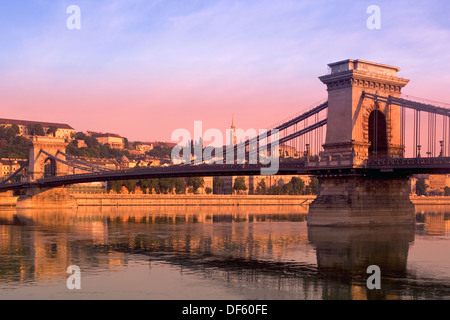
(50, 168)
(377, 135)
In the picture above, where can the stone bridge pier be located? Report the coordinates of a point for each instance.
(42, 165)
(359, 129)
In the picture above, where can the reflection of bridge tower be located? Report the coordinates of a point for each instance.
(345, 253)
(361, 126)
(41, 165)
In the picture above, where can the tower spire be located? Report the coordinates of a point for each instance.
(233, 129)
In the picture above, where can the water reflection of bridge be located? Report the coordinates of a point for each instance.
(239, 252)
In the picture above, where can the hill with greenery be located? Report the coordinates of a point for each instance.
(12, 145)
(94, 149)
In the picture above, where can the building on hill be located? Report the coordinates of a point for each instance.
(62, 130)
(9, 166)
(162, 144)
(143, 148)
(126, 163)
(114, 140)
(81, 144)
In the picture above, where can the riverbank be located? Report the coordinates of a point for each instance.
(7, 200)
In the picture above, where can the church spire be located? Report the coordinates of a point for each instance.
(233, 129)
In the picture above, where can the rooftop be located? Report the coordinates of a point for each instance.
(43, 124)
(361, 65)
(102, 135)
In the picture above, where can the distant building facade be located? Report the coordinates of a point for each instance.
(62, 130)
(143, 148)
(114, 140)
(9, 166)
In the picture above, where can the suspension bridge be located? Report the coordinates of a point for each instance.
(363, 143)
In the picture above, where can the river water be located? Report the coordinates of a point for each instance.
(218, 252)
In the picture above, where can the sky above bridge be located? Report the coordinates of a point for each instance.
(144, 68)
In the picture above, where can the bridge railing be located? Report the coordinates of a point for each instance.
(436, 161)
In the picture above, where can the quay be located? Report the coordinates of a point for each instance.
(107, 200)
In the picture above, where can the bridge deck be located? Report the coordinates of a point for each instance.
(402, 167)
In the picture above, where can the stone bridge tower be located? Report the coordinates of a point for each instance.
(357, 127)
(41, 165)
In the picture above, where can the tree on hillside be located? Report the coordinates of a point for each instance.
(126, 143)
(12, 145)
(14, 129)
(136, 143)
(160, 152)
(80, 136)
(35, 129)
(52, 130)
(91, 142)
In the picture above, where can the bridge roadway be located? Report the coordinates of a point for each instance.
(375, 167)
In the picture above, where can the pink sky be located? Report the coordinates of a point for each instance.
(153, 111)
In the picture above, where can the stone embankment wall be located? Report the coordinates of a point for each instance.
(430, 200)
(176, 200)
(7, 200)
